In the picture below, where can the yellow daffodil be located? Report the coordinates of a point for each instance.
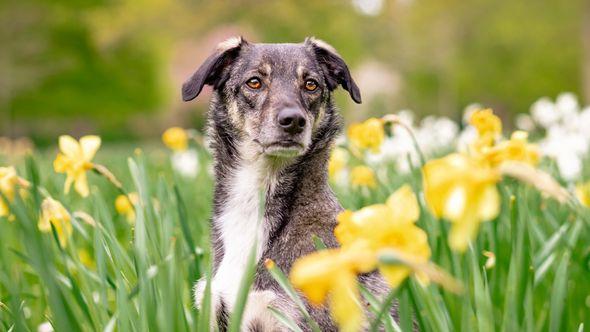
(54, 213)
(125, 206)
(583, 193)
(363, 176)
(176, 138)
(86, 259)
(338, 160)
(332, 274)
(489, 128)
(515, 149)
(8, 186)
(74, 159)
(387, 226)
(462, 190)
(368, 134)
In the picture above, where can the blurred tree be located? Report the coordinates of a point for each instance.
(503, 53)
(54, 72)
(81, 65)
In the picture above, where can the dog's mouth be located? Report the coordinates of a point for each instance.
(283, 148)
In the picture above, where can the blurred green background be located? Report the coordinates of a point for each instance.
(114, 67)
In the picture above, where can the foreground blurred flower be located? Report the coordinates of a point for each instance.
(363, 176)
(176, 138)
(367, 135)
(382, 236)
(583, 193)
(387, 226)
(462, 190)
(74, 159)
(125, 205)
(8, 186)
(54, 213)
(332, 273)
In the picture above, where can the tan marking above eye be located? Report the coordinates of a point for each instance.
(311, 85)
(254, 83)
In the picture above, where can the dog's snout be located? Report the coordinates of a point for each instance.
(291, 120)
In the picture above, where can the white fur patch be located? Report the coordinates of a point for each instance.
(229, 43)
(322, 44)
(240, 226)
(257, 311)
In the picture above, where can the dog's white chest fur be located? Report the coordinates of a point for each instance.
(240, 226)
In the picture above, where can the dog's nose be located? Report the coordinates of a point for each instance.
(291, 120)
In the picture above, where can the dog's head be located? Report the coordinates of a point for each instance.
(276, 95)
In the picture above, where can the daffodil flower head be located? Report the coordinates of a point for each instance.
(373, 223)
(175, 138)
(9, 182)
(516, 149)
(488, 126)
(338, 160)
(75, 159)
(363, 176)
(331, 274)
(389, 226)
(124, 204)
(583, 193)
(54, 213)
(463, 190)
(368, 134)
(86, 259)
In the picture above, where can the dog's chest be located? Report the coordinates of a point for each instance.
(240, 226)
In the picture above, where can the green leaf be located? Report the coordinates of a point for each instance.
(558, 294)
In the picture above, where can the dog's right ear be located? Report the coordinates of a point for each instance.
(211, 71)
(334, 67)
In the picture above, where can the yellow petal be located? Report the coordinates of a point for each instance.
(176, 138)
(68, 183)
(69, 146)
(404, 205)
(345, 305)
(489, 203)
(456, 204)
(61, 163)
(394, 274)
(462, 232)
(89, 144)
(3, 208)
(81, 184)
(53, 213)
(313, 274)
(363, 176)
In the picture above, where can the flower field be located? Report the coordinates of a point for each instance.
(476, 227)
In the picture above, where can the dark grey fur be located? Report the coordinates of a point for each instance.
(302, 203)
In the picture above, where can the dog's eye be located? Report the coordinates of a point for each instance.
(254, 83)
(311, 85)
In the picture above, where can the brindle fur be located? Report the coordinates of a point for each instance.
(300, 203)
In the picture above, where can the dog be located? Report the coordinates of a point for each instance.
(270, 128)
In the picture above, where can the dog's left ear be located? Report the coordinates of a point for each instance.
(334, 67)
(212, 71)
